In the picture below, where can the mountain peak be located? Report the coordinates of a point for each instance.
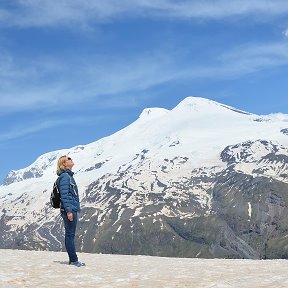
(153, 113)
(199, 104)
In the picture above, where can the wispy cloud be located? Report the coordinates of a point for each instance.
(42, 83)
(240, 61)
(20, 131)
(100, 78)
(27, 128)
(32, 13)
(256, 56)
(216, 9)
(79, 81)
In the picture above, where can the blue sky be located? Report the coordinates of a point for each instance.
(74, 71)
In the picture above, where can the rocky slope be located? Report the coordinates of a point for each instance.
(202, 180)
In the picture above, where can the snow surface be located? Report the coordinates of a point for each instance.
(20, 268)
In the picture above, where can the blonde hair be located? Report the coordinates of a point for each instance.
(61, 163)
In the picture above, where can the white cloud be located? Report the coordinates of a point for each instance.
(80, 80)
(219, 9)
(285, 33)
(257, 56)
(30, 13)
(26, 128)
(21, 131)
(109, 79)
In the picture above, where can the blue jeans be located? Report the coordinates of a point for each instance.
(70, 228)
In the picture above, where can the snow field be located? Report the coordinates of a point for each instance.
(50, 269)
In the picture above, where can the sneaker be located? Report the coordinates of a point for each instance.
(77, 263)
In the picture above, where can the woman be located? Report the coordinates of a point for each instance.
(69, 206)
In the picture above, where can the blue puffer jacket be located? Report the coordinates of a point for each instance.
(69, 191)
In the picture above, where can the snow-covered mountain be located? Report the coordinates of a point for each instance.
(201, 180)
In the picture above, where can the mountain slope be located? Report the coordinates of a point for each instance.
(201, 180)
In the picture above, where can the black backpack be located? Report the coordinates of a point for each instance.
(55, 197)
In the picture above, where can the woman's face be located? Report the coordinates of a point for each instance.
(69, 163)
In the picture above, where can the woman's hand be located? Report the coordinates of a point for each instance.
(70, 216)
